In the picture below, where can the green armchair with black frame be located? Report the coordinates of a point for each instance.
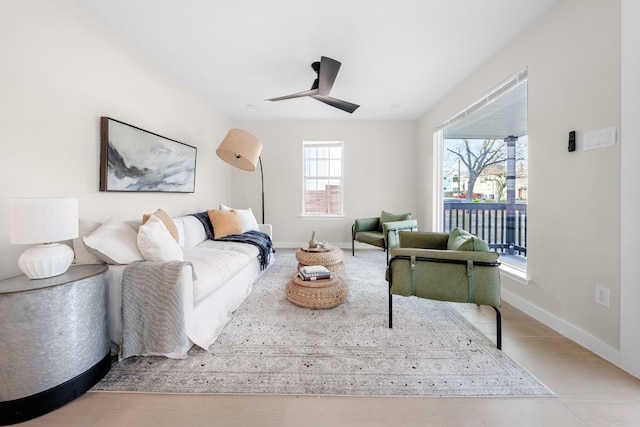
(455, 267)
(381, 231)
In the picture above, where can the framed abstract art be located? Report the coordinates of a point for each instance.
(136, 160)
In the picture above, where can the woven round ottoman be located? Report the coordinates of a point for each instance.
(331, 257)
(317, 293)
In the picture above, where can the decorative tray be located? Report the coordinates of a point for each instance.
(306, 248)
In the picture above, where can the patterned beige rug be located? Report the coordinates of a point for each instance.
(274, 347)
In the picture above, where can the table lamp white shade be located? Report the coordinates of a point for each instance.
(240, 149)
(44, 221)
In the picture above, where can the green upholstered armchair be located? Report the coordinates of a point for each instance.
(456, 267)
(381, 231)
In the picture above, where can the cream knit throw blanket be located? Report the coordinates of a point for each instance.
(152, 308)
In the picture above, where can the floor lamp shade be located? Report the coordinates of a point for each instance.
(44, 221)
(240, 149)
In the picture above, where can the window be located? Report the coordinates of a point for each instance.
(482, 166)
(322, 181)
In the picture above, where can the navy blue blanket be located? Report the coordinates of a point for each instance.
(203, 217)
(256, 238)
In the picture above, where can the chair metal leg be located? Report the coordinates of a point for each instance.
(390, 311)
(498, 328)
(353, 240)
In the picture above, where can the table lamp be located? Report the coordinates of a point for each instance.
(44, 222)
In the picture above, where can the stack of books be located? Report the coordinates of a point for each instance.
(314, 272)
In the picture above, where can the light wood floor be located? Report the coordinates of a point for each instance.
(591, 392)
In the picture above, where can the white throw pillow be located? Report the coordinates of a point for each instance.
(114, 242)
(82, 254)
(156, 243)
(193, 232)
(246, 218)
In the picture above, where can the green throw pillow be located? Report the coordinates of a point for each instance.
(460, 240)
(389, 217)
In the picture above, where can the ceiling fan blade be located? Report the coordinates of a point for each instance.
(327, 74)
(327, 70)
(309, 92)
(337, 103)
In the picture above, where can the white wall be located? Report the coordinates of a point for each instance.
(630, 291)
(379, 167)
(573, 59)
(61, 68)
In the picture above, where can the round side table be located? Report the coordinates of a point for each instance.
(54, 340)
(317, 293)
(331, 257)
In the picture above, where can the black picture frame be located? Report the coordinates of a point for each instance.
(135, 160)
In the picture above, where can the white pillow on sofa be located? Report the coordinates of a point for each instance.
(82, 254)
(114, 242)
(190, 230)
(156, 243)
(246, 218)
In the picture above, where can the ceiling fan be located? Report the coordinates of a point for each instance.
(327, 70)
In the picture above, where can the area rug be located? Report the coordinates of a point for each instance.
(274, 347)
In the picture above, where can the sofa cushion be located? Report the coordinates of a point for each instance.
(167, 221)
(114, 242)
(213, 268)
(224, 223)
(389, 217)
(156, 243)
(190, 230)
(246, 218)
(461, 240)
(223, 245)
(374, 238)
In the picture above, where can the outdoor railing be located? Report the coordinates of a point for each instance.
(504, 231)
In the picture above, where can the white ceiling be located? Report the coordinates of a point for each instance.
(399, 57)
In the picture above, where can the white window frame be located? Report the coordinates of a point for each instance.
(315, 215)
(514, 272)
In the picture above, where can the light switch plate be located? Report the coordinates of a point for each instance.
(601, 138)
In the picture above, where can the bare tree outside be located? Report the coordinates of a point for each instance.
(486, 159)
(498, 174)
(476, 155)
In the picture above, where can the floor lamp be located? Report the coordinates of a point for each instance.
(242, 150)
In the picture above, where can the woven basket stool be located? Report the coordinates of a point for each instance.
(332, 258)
(317, 293)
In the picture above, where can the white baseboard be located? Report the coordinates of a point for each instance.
(581, 337)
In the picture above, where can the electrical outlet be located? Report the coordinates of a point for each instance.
(602, 295)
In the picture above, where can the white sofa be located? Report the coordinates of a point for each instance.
(224, 276)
